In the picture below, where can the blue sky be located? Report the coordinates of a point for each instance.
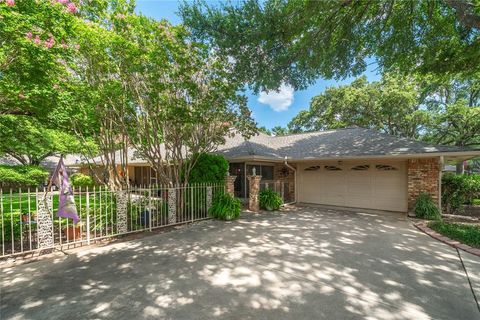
(269, 109)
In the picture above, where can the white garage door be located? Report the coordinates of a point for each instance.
(372, 185)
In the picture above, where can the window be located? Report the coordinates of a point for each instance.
(332, 168)
(385, 167)
(312, 168)
(361, 167)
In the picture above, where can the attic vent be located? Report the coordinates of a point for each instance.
(361, 167)
(333, 168)
(312, 168)
(385, 167)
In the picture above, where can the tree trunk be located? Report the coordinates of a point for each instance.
(460, 168)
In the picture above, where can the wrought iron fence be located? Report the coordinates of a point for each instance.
(284, 189)
(29, 220)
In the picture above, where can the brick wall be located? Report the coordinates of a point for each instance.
(423, 176)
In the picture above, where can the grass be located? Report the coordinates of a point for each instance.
(465, 233)
(476, 202)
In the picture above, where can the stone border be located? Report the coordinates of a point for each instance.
(422, 226)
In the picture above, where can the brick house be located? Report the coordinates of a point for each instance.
(353, 167)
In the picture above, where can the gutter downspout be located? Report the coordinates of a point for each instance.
(294, 177)
(442, 163)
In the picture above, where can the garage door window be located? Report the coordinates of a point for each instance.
(385, 167)
(333, 168)
(312, 168)
(361, 167)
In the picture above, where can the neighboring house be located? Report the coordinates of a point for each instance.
(352, 167)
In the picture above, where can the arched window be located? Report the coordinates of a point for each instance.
(312, 168)
(361, 167)
(332, 168)
(385, 167)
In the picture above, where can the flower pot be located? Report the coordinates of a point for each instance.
(72, 232)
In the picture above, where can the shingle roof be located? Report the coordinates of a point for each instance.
(349, 142)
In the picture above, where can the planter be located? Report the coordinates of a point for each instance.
(72, 232)
(269, 208)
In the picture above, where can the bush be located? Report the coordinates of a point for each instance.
(425, 208)
(22, 176)
(209, 168)
(458, 190)
(81, 180)
(225, 207)
(270, 200)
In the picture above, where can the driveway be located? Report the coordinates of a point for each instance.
(304, 263)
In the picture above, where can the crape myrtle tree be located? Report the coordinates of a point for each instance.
(35, 48)
(182, 100)
(296, 41)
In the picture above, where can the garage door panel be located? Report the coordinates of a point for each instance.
(371, 185)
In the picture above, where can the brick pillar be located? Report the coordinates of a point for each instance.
(229, 184)
(254, 183)
(423, 176)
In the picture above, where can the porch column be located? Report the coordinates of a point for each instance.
(254, 183)
(229, 184)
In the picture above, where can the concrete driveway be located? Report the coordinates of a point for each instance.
(307, 263)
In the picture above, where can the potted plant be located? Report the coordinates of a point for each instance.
(225, 207)
(270, 200)
(72, 231)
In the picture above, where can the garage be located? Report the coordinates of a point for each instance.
(369, 184)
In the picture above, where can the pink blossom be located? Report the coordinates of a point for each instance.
(10, 3)
(64, 45)
(37, 40)
(49, 43)
(71, 7)
(29, 35)
(62, 1)
(77, 46)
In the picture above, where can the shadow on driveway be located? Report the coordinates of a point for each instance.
(302, 263)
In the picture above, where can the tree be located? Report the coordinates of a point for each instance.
(296, 41)
(390, 105)
(279, 131)
(29, 142)
(182, 102)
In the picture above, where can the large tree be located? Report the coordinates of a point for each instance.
(390, 105)
(296, 41)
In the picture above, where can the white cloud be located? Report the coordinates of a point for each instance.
(278, 100)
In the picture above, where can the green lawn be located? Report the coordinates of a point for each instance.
(465, 233)
(476, 202)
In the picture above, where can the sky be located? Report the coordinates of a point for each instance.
(269, 109)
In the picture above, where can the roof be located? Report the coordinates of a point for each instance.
(338, 143)
(348, 142)
(49, 163)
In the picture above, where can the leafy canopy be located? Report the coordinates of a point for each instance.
(296, 41)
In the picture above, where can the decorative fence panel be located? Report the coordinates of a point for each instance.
(29, 221)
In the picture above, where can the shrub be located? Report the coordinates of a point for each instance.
(225, 207)
(270, 200)
(458, 190)
(209, 168)
(425, 208)
(22, 176)
(465, 233)
(81, 180)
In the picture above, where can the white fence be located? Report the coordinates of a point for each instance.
(29, 220)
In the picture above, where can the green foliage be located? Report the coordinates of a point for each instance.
(425, 208)
(22, 176)
(390, 105)
(458, 190)
(225, 207)
(465, 233)
(428, 37)
(209, 168)
(81, 180)
(270, 200)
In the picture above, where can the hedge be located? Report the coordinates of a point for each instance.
(22, 176)
(458, 190)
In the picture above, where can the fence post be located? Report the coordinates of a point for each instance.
(172, 205)
(122, 199)
(209, 197)
(88, 217)
(150, 208)
(44, 222)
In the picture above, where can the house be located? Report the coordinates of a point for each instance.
(352, 167)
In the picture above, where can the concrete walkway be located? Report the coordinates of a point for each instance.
(307, 263)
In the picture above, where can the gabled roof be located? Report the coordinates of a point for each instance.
(338, 143)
